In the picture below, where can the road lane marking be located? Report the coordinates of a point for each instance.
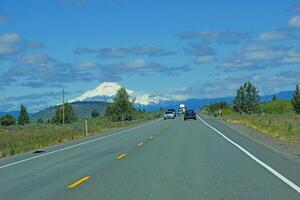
(76, 145)
(122, 155)
(140, 144)
(78, 182)
(270, 169)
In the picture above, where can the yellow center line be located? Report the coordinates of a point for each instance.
(79, 182)
(140, 144)
(122, 155)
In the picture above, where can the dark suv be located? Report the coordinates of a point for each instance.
(190, 114)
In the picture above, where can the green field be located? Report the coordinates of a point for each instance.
(18, 139)
(276, 119)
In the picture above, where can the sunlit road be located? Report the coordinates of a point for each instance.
(171, 159)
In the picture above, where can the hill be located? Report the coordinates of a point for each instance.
(83, 109)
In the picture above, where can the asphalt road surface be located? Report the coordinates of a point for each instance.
(161, 160)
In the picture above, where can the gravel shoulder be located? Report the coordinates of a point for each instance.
(286, 149)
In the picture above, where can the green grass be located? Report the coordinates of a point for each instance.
(19, 139)
(282, 126)
(276, 119)
(276, 107)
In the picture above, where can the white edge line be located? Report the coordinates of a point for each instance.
(270, 169)
(79, 144)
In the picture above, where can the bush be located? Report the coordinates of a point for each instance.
(95, 114)
(219, 108)
(7, 120)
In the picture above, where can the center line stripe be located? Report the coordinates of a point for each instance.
(79, 182)
(121, 156)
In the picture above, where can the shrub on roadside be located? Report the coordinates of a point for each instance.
(7, 120)
(95, 114)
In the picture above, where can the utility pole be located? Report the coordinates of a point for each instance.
(63, 105)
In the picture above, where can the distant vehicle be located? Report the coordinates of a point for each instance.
(172, 110)
(169, 115)
(182, 109)
(190, 114)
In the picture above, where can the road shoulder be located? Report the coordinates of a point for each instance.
(284, 148)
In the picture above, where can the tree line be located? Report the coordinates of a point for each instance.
(247, 101)
(121, 108)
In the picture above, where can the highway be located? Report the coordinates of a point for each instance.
(160, 160)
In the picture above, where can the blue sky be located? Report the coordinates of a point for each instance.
(178, 49)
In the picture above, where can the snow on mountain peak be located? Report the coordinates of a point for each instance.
(109, 90)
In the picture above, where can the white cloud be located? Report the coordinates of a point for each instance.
(86, 65)
(9, 43)
(204, 59)
(294, 22)
(269, 36)
(256, 56)
(10, 38)
(35, 59)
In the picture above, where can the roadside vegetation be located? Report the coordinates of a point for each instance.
(22, 135)
(277, 118)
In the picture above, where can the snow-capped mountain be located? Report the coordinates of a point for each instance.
(107, 90)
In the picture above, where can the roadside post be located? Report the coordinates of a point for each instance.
(86, 128)
(122, 120)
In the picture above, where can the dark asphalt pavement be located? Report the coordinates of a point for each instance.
(166, 159)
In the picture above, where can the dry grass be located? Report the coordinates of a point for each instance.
(18, 139)
(282, 126)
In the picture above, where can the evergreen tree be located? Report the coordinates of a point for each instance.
(121, 106)
(274, 98)
(70, 115)
(40, 121)
(7, 120)
(95, 114)
(23, 116)
(296, 99)
(247, 99)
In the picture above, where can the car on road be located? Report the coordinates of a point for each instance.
(169, 115)
(190, 114)
(172, 110)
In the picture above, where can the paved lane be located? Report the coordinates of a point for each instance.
(169, 159)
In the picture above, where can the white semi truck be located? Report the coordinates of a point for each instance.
(182, 109)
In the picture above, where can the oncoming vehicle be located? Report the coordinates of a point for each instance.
(169, 115)
(182, 109)
(172, 110)
(190, 114)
